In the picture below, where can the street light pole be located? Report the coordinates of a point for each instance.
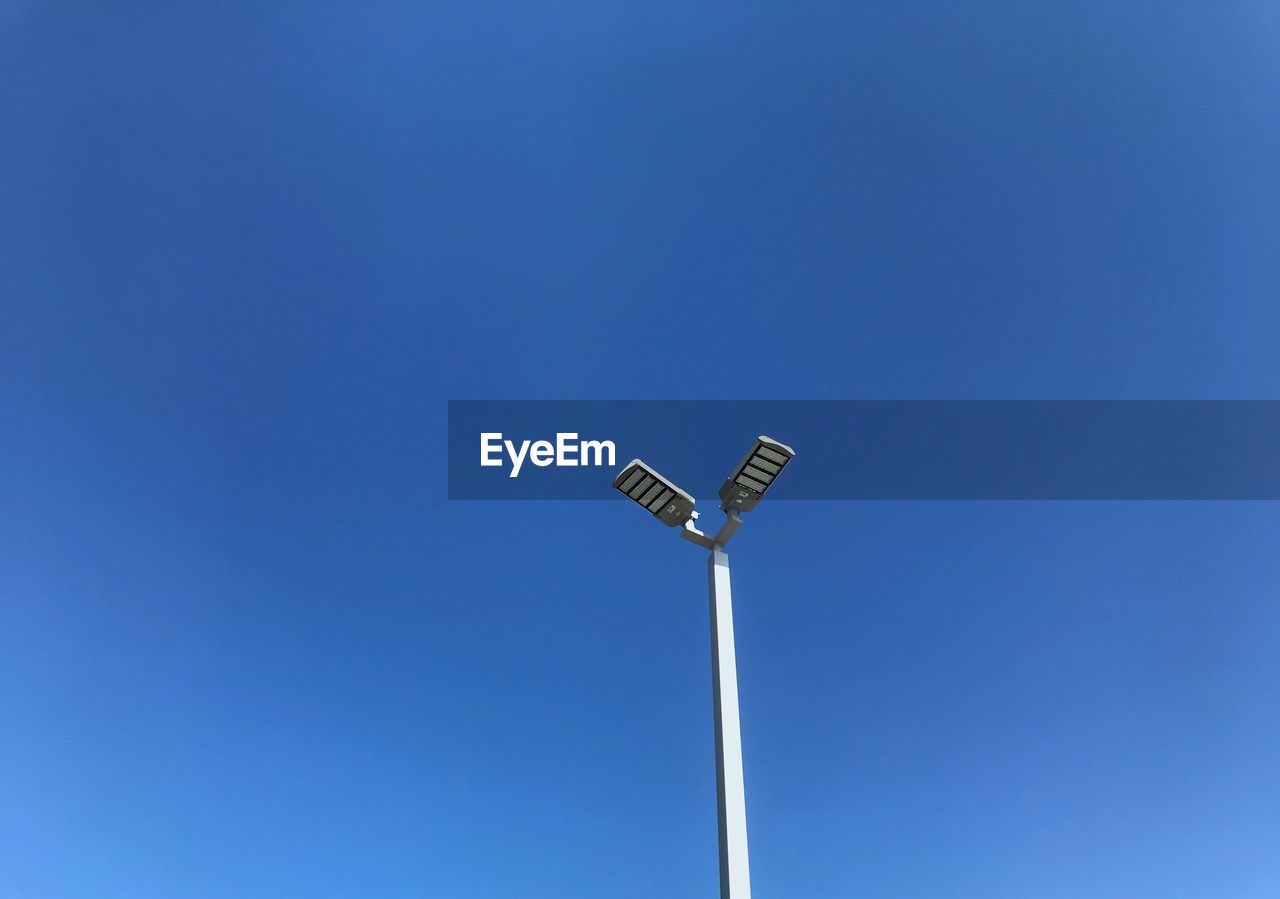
(674, 508)
(735, 875)
(731, 798)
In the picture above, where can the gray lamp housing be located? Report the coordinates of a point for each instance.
(755, 475)
(667, 502)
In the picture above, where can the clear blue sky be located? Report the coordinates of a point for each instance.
(248, 251)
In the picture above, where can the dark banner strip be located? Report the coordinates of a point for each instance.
(953, 450)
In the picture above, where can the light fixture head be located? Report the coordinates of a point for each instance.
(667, 502)
(755, 475)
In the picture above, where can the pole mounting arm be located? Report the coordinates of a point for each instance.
(691, 533)
(733, 521)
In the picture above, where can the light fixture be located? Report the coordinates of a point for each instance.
(668, 503)
(673, 506)
(755, 475)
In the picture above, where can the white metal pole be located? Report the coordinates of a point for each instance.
(735, 876)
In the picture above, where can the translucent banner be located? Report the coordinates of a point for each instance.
(883, 450)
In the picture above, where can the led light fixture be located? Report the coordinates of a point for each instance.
(755, 475)
(672, 506)
(668, 503)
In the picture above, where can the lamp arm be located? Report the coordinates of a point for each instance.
(691, 533)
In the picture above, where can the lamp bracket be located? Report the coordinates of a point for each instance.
(691, 533)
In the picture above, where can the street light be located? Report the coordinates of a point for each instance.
(673, 506)
(755, 475)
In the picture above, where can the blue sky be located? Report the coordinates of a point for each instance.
(248, 251)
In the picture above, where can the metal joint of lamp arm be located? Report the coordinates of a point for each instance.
(707, 541)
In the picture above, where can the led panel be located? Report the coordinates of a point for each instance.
(756, 474)
(667, 502)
